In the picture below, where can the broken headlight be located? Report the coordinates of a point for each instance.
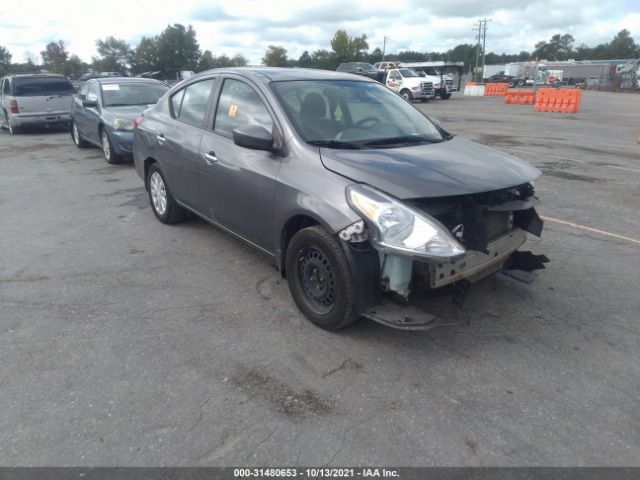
(398, 228)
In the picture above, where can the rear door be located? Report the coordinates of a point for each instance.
(43, 95)
(178, 140)
(238, 184)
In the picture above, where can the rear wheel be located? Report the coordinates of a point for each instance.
(162, 202)
(319, 278)
(75, 136)
(406, 94)
(107, 149)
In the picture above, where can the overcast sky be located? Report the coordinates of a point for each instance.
(248, 26)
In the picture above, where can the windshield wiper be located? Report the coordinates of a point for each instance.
(402, 139)
(334, 144)
(119, 105)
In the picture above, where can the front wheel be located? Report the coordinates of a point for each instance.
(406, 94)
(445, 96)
(164, 207)
(107, 149)
(319, 278)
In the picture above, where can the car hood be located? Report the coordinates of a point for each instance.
(129, 113)
(452, 167)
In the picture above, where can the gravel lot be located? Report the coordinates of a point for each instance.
(127, 342)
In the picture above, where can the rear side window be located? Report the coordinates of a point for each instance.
(41, 86)
(193, 102)
(5, 87)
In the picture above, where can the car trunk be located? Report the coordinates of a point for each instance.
(43, 95)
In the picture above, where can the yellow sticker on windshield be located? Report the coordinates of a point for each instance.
(232, 110)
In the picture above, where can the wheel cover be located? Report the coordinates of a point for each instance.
(406, 95)
(158, 193)
(106, 148)
(315, 274)
(76, 135)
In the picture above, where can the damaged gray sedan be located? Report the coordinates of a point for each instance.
(361, 200)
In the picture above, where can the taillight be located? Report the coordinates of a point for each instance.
(14, 106)
(138, 121)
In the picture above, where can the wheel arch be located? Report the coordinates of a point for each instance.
(292, 226)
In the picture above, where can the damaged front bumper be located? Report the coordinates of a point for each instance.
(492, 228)
(400, 274)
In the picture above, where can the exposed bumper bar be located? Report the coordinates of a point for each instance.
(476, 265)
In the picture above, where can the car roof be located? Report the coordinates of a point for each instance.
(102, 80)
(23, 75)
(277, 74)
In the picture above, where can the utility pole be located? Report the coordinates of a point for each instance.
(484, 41)
(481, 28)
(475, 70)
(384, 46)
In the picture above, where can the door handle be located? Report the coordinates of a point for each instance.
(160, 138)
(210, 158)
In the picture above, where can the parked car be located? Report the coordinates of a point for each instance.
(34, 100)
(104, 113)
(358, 197)
(364, 69)
(409, 85)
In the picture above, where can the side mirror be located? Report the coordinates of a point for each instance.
(360, 70)
(89, 103)
(255, 137)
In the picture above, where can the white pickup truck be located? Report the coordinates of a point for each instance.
(409, 85)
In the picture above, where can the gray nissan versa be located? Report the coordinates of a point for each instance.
(362, 201)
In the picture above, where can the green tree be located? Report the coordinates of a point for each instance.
(323, 59)
(275, 56)
(341, 47)
(146, 57)
(305, 60)
(623, 46)
(5, 61)
(239, 60)
(114, 55)
(75, 66)
(559, 47)
(375, 55)
(177, 49)
(55, 56)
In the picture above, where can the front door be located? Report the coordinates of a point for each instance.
(238, 184)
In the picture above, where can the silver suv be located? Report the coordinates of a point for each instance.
(34, 99)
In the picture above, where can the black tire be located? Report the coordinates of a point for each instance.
(78, 141)
(107, 149)
(406, 94)
(319, 279)
(172, 212)
(445, 96)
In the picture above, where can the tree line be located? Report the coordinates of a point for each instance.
(176, 48)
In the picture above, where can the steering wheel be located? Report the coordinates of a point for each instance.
(373, 120)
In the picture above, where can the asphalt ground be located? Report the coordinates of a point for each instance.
(127, 342)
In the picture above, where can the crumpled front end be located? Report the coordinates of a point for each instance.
(491, 226)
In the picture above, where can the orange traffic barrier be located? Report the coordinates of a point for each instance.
(520, 97)
(495, 89)
(471, 83)
(558, 100)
